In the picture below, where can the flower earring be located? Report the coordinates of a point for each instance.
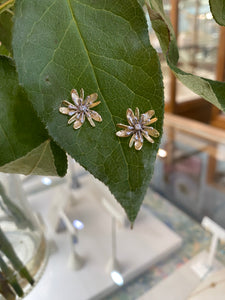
(81, 109)
(138, 128)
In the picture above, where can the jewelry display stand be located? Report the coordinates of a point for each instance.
(211, 288)
(136, 250)
(191, 281)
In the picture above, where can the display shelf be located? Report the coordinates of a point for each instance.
(182, 283)
(137, 249)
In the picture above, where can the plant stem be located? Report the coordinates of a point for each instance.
(6, 5)
(5, 289)
(11, 277)
(20, 218)
(8, 250)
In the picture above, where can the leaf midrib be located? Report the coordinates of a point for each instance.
(40, 158)
(6, 136)
(95, 76)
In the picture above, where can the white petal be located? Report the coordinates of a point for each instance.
(130, 116)
(90, 120)
(148, 138)
(138, 141)
(82, 94)
(147, 116)
(91, 98)
(93, 104)
(72, 106)
(151, 131)
(95, 116)
(71, 120)
(75, 97)
(82, 118)
(139, 136)
(138, 145)
(64, 110)
(123, 133)
(124, 126)
(132, 140)
(77, 124)
(67, 103)
(149, 122)
(137, 113)
(71, 112)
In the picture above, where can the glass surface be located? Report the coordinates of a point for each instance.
(198, 37)
(155, 43)
(197, 41)
(192, 175)
(19, 229)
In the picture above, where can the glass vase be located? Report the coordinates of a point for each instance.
(22, 243)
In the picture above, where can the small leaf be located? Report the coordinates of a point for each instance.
(7, 249)
(6, 30)
(103, 47)
(4, 51)
(217, 8)
(25, 146)
(212, 91)
(141, 2)
(10, 277)
(39, 161)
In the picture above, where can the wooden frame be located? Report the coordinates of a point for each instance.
(198, 108)
(171, 106)
(190, 108)
(211, 134)
(217, 119)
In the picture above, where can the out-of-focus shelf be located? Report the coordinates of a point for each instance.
(137, 250)
(195, 128)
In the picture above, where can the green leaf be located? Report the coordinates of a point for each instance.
(25, 146)
(7, 249)
(11, 277)
(4, 51)
(210, 90)
(101, 46)
(6, 30)
(141, 2)
(217, 8)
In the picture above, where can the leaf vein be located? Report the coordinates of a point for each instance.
(89, 59)
(114, 14)
(135, 93)
(40, 158)
(10, 145)
(54, 52)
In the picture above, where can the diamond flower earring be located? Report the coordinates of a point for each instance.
(81, 109)
(138, 128)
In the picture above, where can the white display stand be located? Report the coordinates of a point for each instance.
(197, 278)
(181, 282)
(137, 249)
(213, 287)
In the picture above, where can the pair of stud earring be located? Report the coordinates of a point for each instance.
(138, 125)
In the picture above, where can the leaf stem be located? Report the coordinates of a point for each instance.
(8, 250)
(11, 277)
(5, 288)
(6, 5)
(19, 216)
